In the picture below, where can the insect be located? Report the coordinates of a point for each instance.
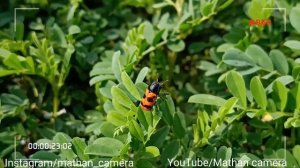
(150, 96)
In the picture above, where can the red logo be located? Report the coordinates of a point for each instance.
(260, 22)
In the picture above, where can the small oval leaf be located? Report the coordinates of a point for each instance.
(236, 86)
(258, 92)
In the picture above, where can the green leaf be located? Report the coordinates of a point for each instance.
(74, 29)
(121, 97)
(259, 124)
(294, 18)
(178, 126)
(116, 119)
(152, 151)
(142, 118)
(130, 86)
(29, 64)
(44, 155)
(176, 46)
(170, 152)
(296, 72)
(160, 5)
(136, 130)
(116, 65)
(281, 93)
(260, 57)
(145, 118)
(158, 37)
(207, 7)
(101, 71)
(296, 94)
(141, 76)
(227, 107)
(280, 62)
(170, 104)
(11, 99)
(210, 68)
(67, 57)
(13, 62)
(4, 53)
(107, 129)
(235, 36)
(100, 78)
(225, 47)
(163, 22)
(209, 153)
(290, 160)
(236, 86)
(168, 109)
(141, 87)
(293, 44)
(104, 147)
(71, 12)
(248, 158)
(149, 32)
(296, 123)
(57, 36)
(121, 109)
(197, 47)
(250, 70)
(36, 26)
(62, 138)
(237, 58)
(296, 153)
(94, 127)
(207, 99)
(79, 146)
(159, 137)
(7, 150)
(255, 10)
(87, 40)
(4, 72)
(288, 123)
(258, 92)
(285, 80)
(224, 153)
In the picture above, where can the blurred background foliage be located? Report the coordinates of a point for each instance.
(74, 72)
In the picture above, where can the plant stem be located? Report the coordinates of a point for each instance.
(150, 49)
(55, 90)
(55, 105)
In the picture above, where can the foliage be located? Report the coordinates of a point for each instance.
(73, 73)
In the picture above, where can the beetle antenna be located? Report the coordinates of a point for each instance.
(163, 83)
